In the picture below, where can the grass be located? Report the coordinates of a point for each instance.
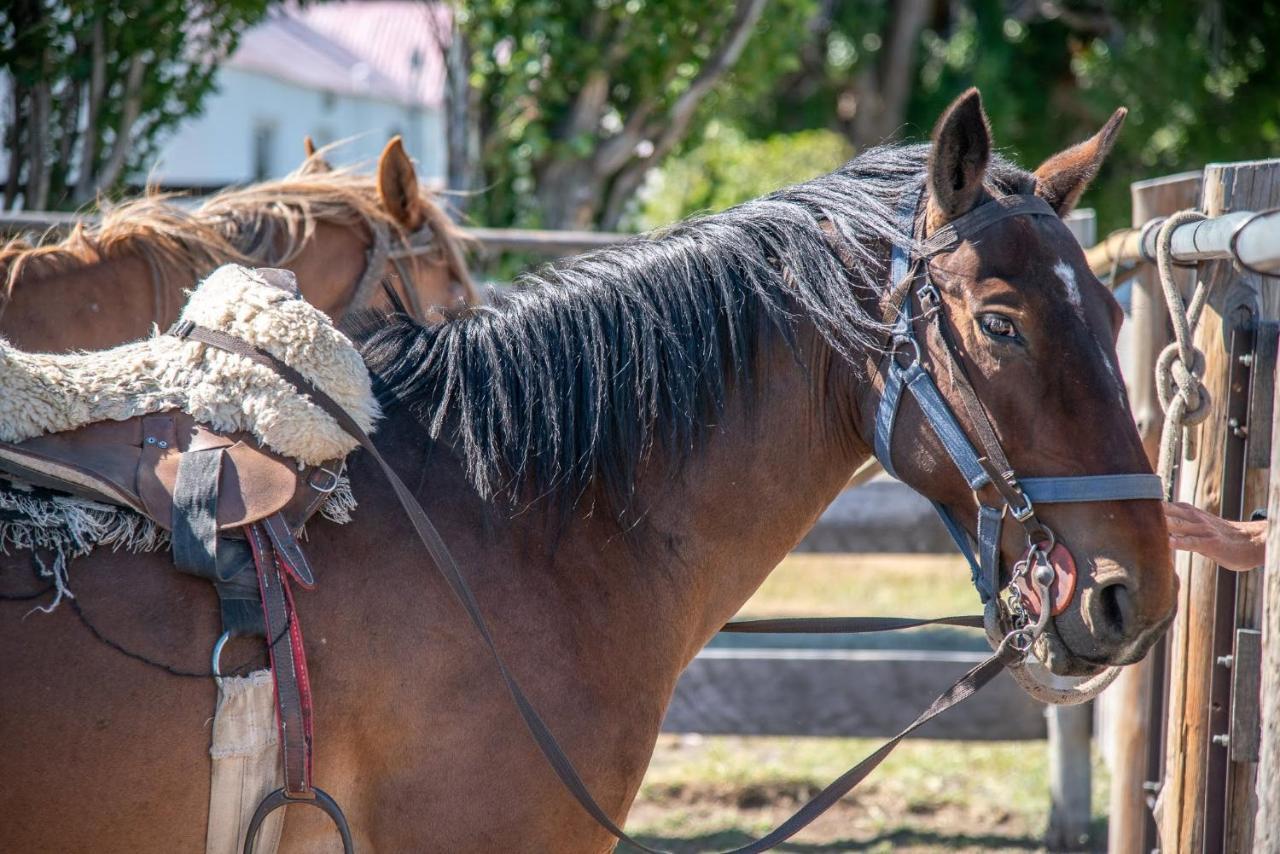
(872, 585)
(715, 792)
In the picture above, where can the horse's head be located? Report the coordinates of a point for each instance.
(429, 242)
(1034, 332)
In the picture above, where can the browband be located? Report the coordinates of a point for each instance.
(982, 217)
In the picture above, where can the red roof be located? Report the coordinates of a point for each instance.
(387, 49)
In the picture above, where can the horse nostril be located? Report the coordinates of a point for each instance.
(1113, 610)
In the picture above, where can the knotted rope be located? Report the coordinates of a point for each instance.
(1179, 369)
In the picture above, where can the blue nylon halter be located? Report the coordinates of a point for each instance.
(983, 550)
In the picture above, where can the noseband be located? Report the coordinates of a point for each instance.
(380, 251)
(1047, 561)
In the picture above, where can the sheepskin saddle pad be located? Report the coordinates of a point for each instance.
(113, 426)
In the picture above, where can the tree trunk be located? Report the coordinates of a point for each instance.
(460, 118)
(883, 88)
(37, 141)
(97, 88)
(124, 132)
(13, 142)
(671, 128)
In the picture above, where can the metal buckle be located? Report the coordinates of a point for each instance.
(928, 295)
(894, 347)
(181, 328)
(1026, 511)
(334, 479)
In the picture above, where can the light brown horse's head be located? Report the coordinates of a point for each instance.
(1035, 331)
(342, 234)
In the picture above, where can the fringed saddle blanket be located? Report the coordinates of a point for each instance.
(51, 393)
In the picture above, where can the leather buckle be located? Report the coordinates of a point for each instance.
(1024, 512)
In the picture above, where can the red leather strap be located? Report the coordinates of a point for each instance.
(288, 665)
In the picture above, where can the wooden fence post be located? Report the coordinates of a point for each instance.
(1129, 701)
(1267, 840)
(1191, 716)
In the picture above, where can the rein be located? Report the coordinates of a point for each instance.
(1037, 569)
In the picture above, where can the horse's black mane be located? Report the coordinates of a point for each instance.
(572, 377)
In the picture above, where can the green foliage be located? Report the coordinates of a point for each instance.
(1200, 80)
(727, 169)
(531, 59)
(1197, 80)
(154, 63)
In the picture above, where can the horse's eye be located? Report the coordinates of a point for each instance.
(999, 326)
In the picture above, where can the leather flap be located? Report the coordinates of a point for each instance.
(253, 484)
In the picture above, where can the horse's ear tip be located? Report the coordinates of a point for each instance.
(395, 145)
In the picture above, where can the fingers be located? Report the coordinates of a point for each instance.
(1187, 512)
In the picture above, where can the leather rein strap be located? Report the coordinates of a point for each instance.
(963, 688)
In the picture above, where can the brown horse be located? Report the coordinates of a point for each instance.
(338, 231)
(618, 456)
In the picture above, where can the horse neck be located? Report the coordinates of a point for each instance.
(778, 457)
(93, 306)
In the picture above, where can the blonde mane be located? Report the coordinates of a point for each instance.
(261, 225)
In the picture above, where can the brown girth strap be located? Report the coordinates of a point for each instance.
(963, 688)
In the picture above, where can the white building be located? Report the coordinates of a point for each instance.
(357, 71)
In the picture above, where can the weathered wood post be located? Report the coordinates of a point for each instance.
(1267, 840)
(1191, 816)
(1129, 701)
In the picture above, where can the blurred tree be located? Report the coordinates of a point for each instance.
(92, 83)
(570, 103)
(727, 168)
(1195, 75)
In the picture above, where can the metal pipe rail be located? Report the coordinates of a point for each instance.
(1250, 238)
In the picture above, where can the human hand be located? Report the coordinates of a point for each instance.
(1234, 545)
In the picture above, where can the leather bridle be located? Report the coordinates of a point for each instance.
(380, 252)
(996, 488)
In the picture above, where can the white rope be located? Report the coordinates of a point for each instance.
(1069, 694)
(1179, 369)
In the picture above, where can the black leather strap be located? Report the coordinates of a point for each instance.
(195, 513)
(845, 625)
(963, 688)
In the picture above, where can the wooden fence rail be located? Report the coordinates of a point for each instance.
(539, 242)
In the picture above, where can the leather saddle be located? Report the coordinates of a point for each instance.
(239, 486)
(135, 464)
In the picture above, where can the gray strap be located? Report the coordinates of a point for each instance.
(195, 512)
(984, 216)
(886, 415)
(944, 424)
(989, 519)
(1097, 487)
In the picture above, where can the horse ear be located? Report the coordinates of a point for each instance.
(1062, 179)
(959, 158)
(312, 164)
(398, 186)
